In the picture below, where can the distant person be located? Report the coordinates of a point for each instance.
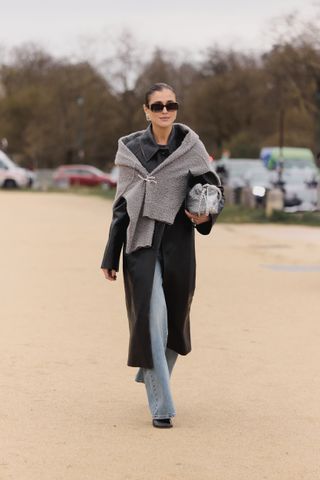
(225, 154)
(156, 167)
(4, 144)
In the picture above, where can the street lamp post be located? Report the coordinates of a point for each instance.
(81, 152)
(317, 129)
(281, 144)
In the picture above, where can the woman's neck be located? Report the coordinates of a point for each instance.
(161, 135)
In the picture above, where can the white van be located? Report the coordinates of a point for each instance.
(12, 176)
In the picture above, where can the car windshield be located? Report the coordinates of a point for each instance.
(297, 163)
(8, 160)
(259, 176)
(257, 173)
(96, 171)
(239, 167)
(70, 171)
(83, 171)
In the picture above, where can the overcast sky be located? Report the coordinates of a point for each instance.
(61, 25)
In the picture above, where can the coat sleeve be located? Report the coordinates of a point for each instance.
(211, 178)
(117, 235)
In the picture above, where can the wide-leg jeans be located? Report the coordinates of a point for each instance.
(157, 379)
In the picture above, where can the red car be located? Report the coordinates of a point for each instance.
(87, 175)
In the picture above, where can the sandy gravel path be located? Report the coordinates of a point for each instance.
(247, 397)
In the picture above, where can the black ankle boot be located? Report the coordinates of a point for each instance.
(162, 423)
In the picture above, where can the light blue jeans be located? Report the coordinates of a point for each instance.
(157, 379)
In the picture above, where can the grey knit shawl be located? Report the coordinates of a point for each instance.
(156, 196)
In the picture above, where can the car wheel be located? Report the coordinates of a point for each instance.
(9, 183)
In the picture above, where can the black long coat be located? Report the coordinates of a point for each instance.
(174, 245)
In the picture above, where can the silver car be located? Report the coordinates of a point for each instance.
(13, 176)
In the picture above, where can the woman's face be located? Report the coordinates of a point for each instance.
(164, 118)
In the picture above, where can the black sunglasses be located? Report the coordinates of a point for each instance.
(159, 106)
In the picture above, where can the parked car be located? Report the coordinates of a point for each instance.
(232, 171)
(290, 157)
(85, 175)
(13, 176)
(300, 188)
(295, 171)
(258, 178)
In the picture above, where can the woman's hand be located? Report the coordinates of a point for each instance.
(197, 219)
(110, 274)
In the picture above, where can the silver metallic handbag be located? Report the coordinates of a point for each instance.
(205, 199)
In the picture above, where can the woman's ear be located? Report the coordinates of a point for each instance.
(146, 111)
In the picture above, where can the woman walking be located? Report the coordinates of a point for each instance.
(157, 167)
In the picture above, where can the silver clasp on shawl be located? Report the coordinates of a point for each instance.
(148, 178)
